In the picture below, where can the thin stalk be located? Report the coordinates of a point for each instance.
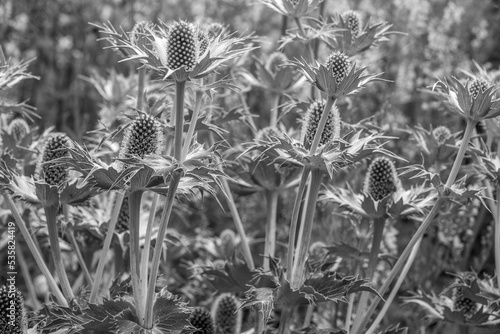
(134, 205)
(394, 291)
(28, 280)
(497, 236)
(162, 231)
(286, 319)
(180, 87)
(74, 244)
(305, 231)
(272, 210)
(275, 101)
(378, 231)
(192, 124)
(105, 248)
(293, 224)
(423, 227)
(330, 102)
(51, 216)
(140, 87)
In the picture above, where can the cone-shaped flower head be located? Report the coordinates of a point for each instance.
(339, 64)
(18, 128)
(122, 224)
(228, 242)
(203, 41)
(477, 85)
(227, 314)
(381, 179)
(182, 46)
(441, 134)
(353, 22)
(142, 137)
(464, 304)
(275, 60)
(311, 122)
(56, 146)
(201, 319)
(12, 311)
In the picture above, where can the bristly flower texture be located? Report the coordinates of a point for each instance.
(56, 146)
(381, 179)
(18, 128)
(478, 85)
(182, 46)
(142, 137)
(353, 22)
(227, 314)
(12, 311)
(201, 319)
(122, 224)
(441, 134)
(275, 60)
(339, 64)
(311, 122)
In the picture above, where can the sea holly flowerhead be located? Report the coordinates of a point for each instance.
(381, 179)
(181, 46)
(56, 146)
(336, 77)
(227, 314)
(274, 62)
(201, 319)
(311, 122)
(143, 136)
(353, 21)
(18, 128)
(203, 41)
(13, 314)
(441, 134)
(475, 100)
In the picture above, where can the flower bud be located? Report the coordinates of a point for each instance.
(274, 61)
(381, 178)
(122, 224)
(203, 41)
(228, 242)
(56, 146)
(478, 84)
(441, 134)
(339, 64)
(201, 319)
(12, 311)
(181, 46)
(311, 123)
(142, 137)
(353, 22)
(227, 314)
(18, 128)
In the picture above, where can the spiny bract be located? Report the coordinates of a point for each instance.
(18, 128)
(311, 122)
(142, 137)
(381, 178)
(353, 22)
(56, 146)
(441, 134)
(274, 62)
(201, 319)
(227, 314)
(478, 84)
(138, 31)
(182, 46)
(339, 64)
(12, 312)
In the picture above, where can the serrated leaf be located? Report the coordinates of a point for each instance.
(169, 315)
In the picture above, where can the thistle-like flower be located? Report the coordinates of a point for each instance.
(463, 304)
(201, 319)
(227, 314)
(181, 46)
(203, 41)
(122, 224)
(274, 62)
(338, 63)
(18, 128)
(441, 134)
(311, 122)
(56, 146)
(12, 311)
(142, 137)
(381, 179)
(475, 100)
(352, 21)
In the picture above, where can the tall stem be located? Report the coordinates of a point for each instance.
(274, 110)
(81, 260)
(497, 236)
(192, 124)
(180, 87)
(105, 248)
(162, 231)
(304, 237)
(28, 280)
(378, 230)
(140, 88)
(421, 230)
(272, 210)
(134, 205)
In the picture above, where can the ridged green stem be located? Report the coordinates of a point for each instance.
(105, 248)
(192, 124)
(140, 88)
(134, 205)
(321, 126)
(180, 88)
(272, 210)
(51, 217)
(421, 230)
(74, 244)
(286, 319)
(273, 121)
(304, 237)
(497, 235)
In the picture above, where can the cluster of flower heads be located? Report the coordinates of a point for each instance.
(311, 123)
(381, 179)
(56, 146)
